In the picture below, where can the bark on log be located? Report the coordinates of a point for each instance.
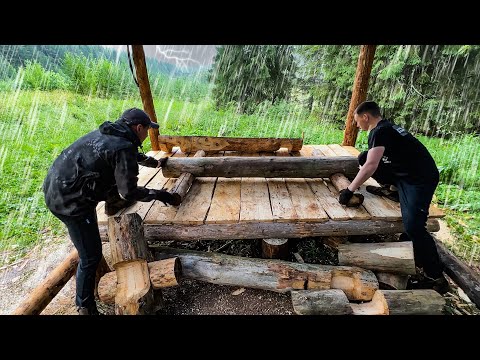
(275, 249)
(41, 296)
(321, 302)
(467, 279)
(274, 275)
(394, 257)
(341, 182)
(145, 92)
(359, 93)
(245, 230)
(185, 180)
(402, 302)
(163, 273)
(266, 166)
(211, 143)
(134, 295)
(389, 281)
(334, 241)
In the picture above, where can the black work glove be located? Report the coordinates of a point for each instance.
(345, 196)
(150, 162)
(167, 198)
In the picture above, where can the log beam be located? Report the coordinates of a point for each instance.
(185, 180)
(266, 166)
(274, 275)
(210, 143)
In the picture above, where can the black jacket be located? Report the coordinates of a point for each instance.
(99, 165)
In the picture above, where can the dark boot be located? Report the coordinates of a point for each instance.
(88, 311)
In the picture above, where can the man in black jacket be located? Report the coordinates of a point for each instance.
(100, 166)
(407, 164)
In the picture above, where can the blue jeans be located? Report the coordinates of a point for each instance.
(83, 231)
(415, 201)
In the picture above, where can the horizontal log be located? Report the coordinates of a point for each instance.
(185, 232)
(274, 275)
(393, 257)
(163, 273)
(402, 302)
(389, 281)
(265, 166)
(185, 180)
(467, 279)
(215, 143)
(321, 302)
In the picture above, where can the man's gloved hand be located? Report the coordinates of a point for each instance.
(345, 196)
(150, 162)
(167, 198)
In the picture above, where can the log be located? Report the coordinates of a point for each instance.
(402, 302)
(321, 302)
(334, 241)
(185, 180)
(211, 143)
(257, 230)
(273, 275)
(389, 281)
(163, 273)
(467, 279)
(102, 269)
(275, 249)
(394, 257)
(359, 92)
(134, 295)
(145, 92)
(265, 166)
(341, 182)
(41, 296)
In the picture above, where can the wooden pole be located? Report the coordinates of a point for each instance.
(185, 180)
(359, 93)
(46, 291)
(145, 92)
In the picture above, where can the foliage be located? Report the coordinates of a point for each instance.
(247, 75)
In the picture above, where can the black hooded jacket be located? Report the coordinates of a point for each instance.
(98, 166)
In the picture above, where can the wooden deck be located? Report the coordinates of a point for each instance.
(248, 208)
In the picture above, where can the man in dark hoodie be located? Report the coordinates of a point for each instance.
(100, 166)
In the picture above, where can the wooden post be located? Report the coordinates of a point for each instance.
(275, 249)
(359, 93)
(46, 291)
(145, 92)
(130, 255)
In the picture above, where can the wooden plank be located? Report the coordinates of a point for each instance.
(194, 207)
(329, 203)
(225, 206)
(254, 200)
(258, 230)
(325, 150)
(282, 206)
(352, 150)
(353, 213)
(339, 150)
(306, 150)
(306, 204)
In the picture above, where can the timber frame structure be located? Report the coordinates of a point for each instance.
(287, 190)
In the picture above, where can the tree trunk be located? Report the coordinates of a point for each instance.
(275, 249)
(396, 257)
(209, 143)
(402, 302)
(359, 93)
(267, 166)
(185, 180)
(274, 275)
(321, 302)
(341, 182)
(145, 92)
(163, 273)
(130, 254)
(41, 296)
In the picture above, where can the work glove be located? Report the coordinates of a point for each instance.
(150, 162)
(345, 196)
(167, 198)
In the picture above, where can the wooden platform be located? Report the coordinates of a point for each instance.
(252, 208)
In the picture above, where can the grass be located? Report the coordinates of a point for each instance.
(36, 126)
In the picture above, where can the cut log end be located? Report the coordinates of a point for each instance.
(275, 249)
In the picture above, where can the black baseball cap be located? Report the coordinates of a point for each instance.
(136, 116)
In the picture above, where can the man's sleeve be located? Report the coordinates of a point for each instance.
(126, 172)
(381, 138)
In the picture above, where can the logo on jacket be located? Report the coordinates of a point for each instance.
(385, 160)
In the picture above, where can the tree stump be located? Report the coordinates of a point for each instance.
(275, 249)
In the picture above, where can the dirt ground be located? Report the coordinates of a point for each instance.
(191, 297)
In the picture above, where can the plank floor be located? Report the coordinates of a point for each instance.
(260, 200)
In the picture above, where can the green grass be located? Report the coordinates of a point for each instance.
(36, 126)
